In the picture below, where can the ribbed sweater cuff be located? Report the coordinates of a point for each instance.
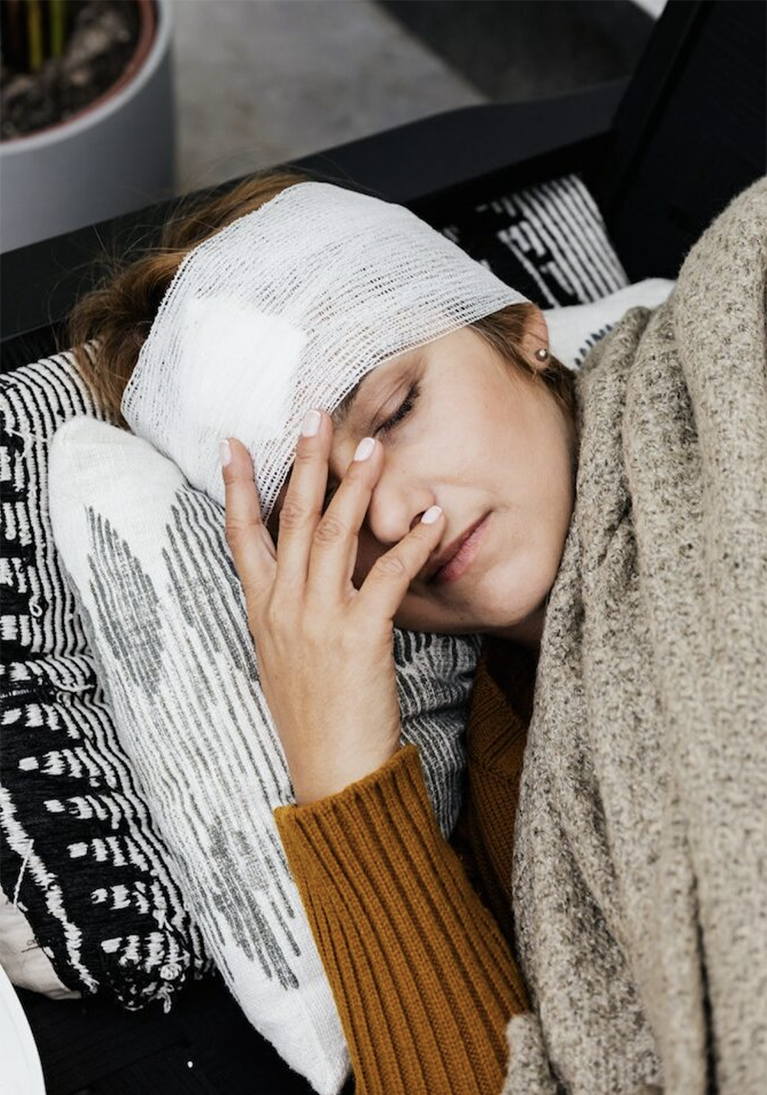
(423, 977)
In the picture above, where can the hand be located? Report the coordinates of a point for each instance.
(324, 649)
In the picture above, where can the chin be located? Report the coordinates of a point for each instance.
(445, 619)
(423, 614)
(499, 602)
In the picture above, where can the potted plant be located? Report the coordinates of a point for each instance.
(88, 120)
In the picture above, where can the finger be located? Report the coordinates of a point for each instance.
(249, 540)
(384, 589)
(336, 537)
(302, 508)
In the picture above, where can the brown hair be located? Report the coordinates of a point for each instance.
(119, 312)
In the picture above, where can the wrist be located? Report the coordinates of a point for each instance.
(309, 787)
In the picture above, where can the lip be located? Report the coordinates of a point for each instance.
(463, 554)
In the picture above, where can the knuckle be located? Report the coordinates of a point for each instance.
(280, 621)
(273, 616)
(389, 566)
(305, 453)
(330, 530)
(233, 531)
(293, 514)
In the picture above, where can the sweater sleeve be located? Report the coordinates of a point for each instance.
(422, 975)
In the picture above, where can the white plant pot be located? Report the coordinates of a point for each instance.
(114, 157)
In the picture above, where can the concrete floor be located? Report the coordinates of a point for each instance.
(278, 79)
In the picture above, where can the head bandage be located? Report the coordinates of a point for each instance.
(286, 309)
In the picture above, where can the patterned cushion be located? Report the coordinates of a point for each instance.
(549, 241)
(166, 616)
(574, 330)
(80, 857)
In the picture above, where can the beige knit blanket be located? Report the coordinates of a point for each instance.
(640, 859)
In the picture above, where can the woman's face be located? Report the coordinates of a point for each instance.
(477, 440)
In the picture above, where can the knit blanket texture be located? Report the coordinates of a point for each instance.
(640, 860)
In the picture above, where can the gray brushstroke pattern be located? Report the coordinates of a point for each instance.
(180, 673)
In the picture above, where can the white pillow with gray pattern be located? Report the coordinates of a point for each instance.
(164, 612)
(575, 329)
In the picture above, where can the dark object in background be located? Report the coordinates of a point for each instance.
(529, 49)
(94, 1047)
(689, 134)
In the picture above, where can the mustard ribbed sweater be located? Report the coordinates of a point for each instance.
(415, 932)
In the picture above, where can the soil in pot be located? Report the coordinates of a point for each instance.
(102, 38)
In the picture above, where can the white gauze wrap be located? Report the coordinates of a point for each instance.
(286, 309)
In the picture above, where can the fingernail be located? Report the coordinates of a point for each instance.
(365, 448)
(224, 452)
(311, 423)
(431, 515)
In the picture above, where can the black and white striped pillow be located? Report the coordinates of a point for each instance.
(81, 859)
(548, 241)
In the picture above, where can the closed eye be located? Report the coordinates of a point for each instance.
(402, 411)
(386, 428)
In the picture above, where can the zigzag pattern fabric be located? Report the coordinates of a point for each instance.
(80, 857)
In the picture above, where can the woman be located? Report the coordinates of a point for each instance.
(480, 424)
(493, 388)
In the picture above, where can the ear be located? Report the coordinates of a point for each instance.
(536, 337)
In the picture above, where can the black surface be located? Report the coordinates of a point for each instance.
(94, 1046)
(690, 134)
(411, 164)
(529, 49)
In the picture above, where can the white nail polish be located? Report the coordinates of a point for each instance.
(365, 448)
(311, 424)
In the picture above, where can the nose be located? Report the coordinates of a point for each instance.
(395, 509)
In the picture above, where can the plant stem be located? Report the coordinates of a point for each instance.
(35, 30)
(58, 24)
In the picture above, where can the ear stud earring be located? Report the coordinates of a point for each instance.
(542, 354)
